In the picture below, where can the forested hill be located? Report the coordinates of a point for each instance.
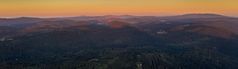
(191, 41)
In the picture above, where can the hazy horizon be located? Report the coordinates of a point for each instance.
(49, 8)
(110, 15)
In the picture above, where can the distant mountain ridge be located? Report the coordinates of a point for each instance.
(208, 20)
(126, 16)
(190, 41)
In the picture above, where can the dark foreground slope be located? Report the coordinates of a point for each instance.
(191, 41)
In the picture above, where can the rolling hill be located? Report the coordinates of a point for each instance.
(190, 41)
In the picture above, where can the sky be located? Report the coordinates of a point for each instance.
(49, 8)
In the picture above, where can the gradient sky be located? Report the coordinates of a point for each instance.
(12, 8)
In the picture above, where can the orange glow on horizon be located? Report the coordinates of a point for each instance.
(43, 8)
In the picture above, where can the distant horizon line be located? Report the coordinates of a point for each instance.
(113, 15)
